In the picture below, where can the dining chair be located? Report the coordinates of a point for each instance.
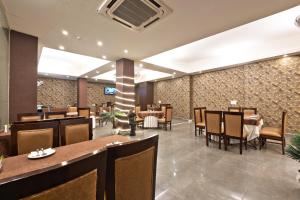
(75, 130)
(234, 129)
(199, 119)
(234, 109)
(80, 178)
(139, 121)
(55, 115)
(84, 112)
(29, 136)
(213, 124)
(72, 109)
(163, 108)
(28, 117)
(249, 111)
(131, 170)
(274, 133)
(167, 120)
(99, 118)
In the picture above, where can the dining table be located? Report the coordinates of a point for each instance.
(150, 118)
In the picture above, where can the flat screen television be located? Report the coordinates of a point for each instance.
(109, 91)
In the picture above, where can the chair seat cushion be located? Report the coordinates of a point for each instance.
(201, 124)
(162, 120)
(271, 131)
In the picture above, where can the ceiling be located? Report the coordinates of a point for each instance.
(190, 21)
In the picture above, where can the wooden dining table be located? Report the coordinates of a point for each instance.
(20, 166)
(150, 118)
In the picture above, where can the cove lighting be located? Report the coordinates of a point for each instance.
(125, 84)
(125, 104)
(125, 93)
(124, 77)
(125, 99)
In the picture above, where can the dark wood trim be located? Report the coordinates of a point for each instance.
(64, 123)
(84, 108)
(20, 115)
(32, 126)
(241, 138)
(119, 151)
(47, 114)
(208, 134)
(44, 179)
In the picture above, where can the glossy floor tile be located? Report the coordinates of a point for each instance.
(187, 169)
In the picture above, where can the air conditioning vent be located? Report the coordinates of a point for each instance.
(134, 14)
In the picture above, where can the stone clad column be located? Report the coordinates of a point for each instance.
(125, 96)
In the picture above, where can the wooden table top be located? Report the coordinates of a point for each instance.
(144, 114)
(248, 120)
(17, 166)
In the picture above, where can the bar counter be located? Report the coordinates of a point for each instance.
(17, 166)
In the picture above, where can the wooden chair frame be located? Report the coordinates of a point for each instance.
(208, 134)
(200, 128)
(249, 108)
(263, 138)
(20, 115)
(119, 151)
(228, 137)
(47, 114)
(64, 123)
(32, 126)
(84, 108)
(38, 181)
(166, 123)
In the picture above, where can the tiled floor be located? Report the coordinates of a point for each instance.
(189, 170)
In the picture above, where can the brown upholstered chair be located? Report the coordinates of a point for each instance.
(81, 178)
(234, 109)
(75, 130)
(27, 137)
(199, 119)
(131, 170)
(72, 109)
(55, 115)
(139, 121)
(274, 133)
(233, 128)
(167, 120)
(84, 112)
(213, 124)
(163, 108)
(30, 117)
(249, 111)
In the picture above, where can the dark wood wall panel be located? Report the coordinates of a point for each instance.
(144, 94)
(82, 92)
(23, 74)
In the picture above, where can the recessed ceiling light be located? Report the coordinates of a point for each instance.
(113, 66)
(100, 43)
(174, 73)
(61, 47)
(97, 72)
(78, 37)
(141, 65)
(86, 76)
(104, 56)
(64, 32)
(125, 51)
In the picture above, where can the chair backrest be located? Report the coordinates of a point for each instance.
(55, 115)
(84, 112)
(284, 122)
(169, 113)
(163, 108)
(72, 109)
(197, 115)
(137, 109)
(27, 137)
(29, 117)
(131, 170)
(202, 111)
(75, 130)
(234, 124)
(234, 109)
(249, 111)
(81, 178)
(213, 121)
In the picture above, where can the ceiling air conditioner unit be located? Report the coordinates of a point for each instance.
(134, 14)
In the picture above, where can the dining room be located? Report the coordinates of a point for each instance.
(149, 99)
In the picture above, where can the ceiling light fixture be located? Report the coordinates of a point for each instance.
(141, 65)
(104, 57)
(174, 73)
(99, 43)
(113, 66)
(86, 76)
(61, 47)
(78, 37)
(97, 72)
(125, 51)
(64, 32)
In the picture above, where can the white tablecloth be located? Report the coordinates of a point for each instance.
(150, 122)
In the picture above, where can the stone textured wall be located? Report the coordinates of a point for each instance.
(57, 92)
(61, 93)
(272, 86)
(96, 94)
(177, 93)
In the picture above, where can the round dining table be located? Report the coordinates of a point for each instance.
(150, 118)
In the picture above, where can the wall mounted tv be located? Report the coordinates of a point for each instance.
(109, 91)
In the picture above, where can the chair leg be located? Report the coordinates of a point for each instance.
(195, 130)
(170, 125)
(246, 145)
(166, 126)
(206, 139)
(260, 142)
(283, 145)
(220, 138)
(241, 146)
(225, 142)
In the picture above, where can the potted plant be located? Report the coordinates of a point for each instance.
(111, 117)
(293, 150)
